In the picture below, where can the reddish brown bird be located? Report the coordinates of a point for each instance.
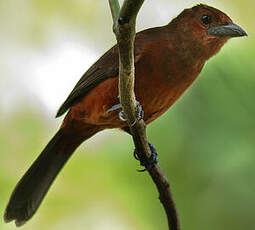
(167, 60)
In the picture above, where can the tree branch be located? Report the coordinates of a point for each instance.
(115, 9)
(124, 22)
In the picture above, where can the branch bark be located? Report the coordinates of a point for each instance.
(124, 23)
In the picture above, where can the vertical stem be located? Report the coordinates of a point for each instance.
(115, 9)
(124, 22)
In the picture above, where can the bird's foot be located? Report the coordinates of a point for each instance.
(139, 115)
(151, 162)
(113, 108)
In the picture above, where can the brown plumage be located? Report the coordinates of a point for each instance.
(167, 60)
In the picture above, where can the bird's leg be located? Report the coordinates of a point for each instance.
(151, 162)
(139, 115)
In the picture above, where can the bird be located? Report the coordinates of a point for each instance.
(167, 61)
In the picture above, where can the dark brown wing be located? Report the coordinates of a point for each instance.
(106, 67)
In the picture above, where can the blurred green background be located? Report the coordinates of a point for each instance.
(206, 141)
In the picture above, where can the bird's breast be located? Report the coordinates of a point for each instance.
(160, 81)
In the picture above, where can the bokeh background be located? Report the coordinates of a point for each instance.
(206, 141)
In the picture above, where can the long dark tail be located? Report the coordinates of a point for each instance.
(34, 185)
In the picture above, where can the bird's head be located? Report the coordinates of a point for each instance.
(206, 28)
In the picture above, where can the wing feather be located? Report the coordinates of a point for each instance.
(106, 67)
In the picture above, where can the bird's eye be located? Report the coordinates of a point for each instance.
(206, 19)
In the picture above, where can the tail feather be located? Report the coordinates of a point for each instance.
(34, 185)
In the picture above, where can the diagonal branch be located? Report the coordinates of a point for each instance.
(124, 22)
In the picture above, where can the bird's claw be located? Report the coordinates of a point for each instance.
(151, 162)
(139, 113)
(113, 108)
(139, 116)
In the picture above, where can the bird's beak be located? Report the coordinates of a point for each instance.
(227, 30)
